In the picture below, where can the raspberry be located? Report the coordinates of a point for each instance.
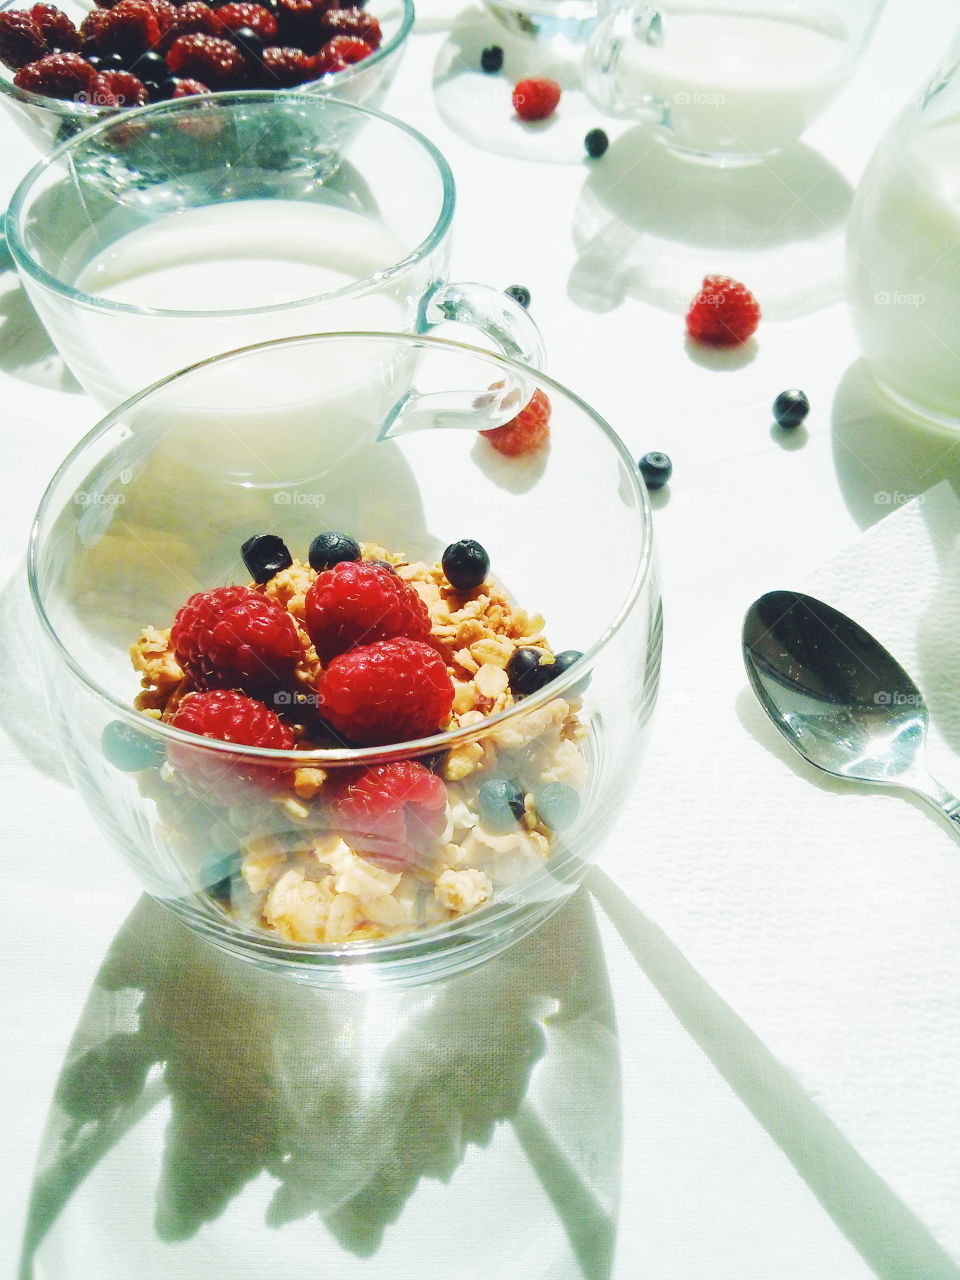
(525, 433)
(209, 59)
(254, 16)
(91, 24)
(165, 13)
(58, 75)
(190, 19)
(328, 62)
(285, 66)
(129, 28)
(235, 638)
(187, 88)
(57, 29)
(348, 49)
(353, 22)
(356, 603)
(227, 716)
(21, 40)
(391, 691)
(723, 314)
(392, 813)
(535, 99)
(125, 89)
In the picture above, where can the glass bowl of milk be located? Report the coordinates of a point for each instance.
(187, 228)
(903, 252)
(132, 524)
(721, 81)
(51, 120)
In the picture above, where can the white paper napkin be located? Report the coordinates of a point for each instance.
(825, 916)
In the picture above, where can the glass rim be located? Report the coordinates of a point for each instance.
(345, 756)
(68, 109)
(26, 262)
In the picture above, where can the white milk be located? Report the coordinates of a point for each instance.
(904, 267)
(278, 418)
(745, 83)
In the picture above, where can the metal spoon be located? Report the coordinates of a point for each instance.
(838, 697)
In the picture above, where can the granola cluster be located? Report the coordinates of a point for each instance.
(274, 858)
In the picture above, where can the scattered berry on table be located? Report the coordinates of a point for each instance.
(393, 813)
(519, 293)
(465, 564)
(265, 554)
(724, 313)
(557, 805)
(596, 143)
(391, 691)
(235, 638)
(500, 803)
(128, 749)
(525, 433)
(526, 671)
(790, 408)
(357, 603)
(491, 59)
(535, 99)
(21, 40)
(329, 548)
(656, 469)
(227, 716)
(58, 75)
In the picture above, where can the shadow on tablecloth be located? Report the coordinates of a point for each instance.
(211, 1119)
(883, 1230)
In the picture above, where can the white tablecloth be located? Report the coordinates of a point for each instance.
(657, 1152)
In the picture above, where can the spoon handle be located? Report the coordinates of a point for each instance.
(939, 798)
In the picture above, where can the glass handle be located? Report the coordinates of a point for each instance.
(501, 321)
(627, 22)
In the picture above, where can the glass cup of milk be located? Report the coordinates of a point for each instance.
(174, 233)
(725, 81)
(903, 252)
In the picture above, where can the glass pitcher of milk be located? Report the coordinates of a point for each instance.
(903, 252)
(728, 81)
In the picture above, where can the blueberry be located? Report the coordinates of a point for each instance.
(500, 803)
(164, 90)
(128, 749)
(112, 62)
(557, 805)
(216, 873)
(150, 66)
(264, 555)
(563, 662)
(596, 143)
(656, 469)
(790, 408)
(384, 564)
(330, 548)
(248, 42)
(492, 58)
(520, 294)
(466, 564)
(95, 60)
(524, 671)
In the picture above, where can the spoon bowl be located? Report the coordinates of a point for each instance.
(838, 696)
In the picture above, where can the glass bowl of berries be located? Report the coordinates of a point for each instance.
(64, 68)
(365, 713)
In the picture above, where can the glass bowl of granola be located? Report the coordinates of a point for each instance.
(355, 689)
(63, 68)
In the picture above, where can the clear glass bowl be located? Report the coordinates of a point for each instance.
(369, 434)
(49, 121)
